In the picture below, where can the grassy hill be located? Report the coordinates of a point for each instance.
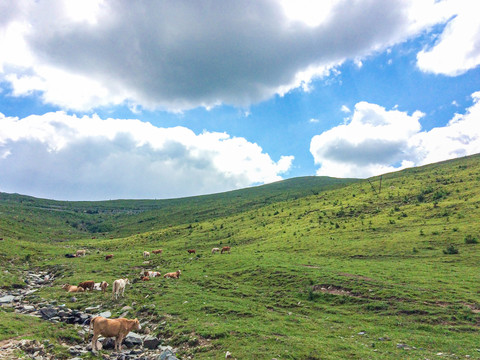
(346, 271)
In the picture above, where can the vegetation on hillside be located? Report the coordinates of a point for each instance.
(350, 272)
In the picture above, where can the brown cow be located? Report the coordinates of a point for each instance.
(117, 328)
(173, 275)
(225, 249)
(159, 251)
(109, 256)
(72, 288)
(151, 273)
(104, 286)
(87, 285)
(191, 251)
(80, 253)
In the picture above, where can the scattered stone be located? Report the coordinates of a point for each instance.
(48, 313)
(167, 355)
(105, 314)
(6, 299)
(151, 342)
(132, 339)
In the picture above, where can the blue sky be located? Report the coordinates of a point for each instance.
(114, 100)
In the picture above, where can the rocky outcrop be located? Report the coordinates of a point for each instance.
(135, 346)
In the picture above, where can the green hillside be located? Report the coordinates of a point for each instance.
(334, 271)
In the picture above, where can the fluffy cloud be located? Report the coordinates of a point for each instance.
(180, 55)
(377, 141)
(457, 49)
(64, 157)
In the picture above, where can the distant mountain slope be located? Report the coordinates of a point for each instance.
(30, 217)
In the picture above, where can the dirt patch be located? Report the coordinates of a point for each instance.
(361, 277)
(332, 289)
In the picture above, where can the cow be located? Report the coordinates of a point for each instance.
(151, 273)
(146, 254)
(87, 285)
(173, 275)
(225, 249)
(119, 287)
(214, 250)
(159, 251)
(72, 288)
(108, 257)
(117, 328)
(101, 286)
(191, 251)
(104, 286)
(80, 253)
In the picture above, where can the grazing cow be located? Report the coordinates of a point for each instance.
(145, 278)
(108, 257)
(151, 273)
(159, 251)
(225, 249)
(191, 251)
(146, 254)
(87, 285)
(72, 288)
(101, 286)
(80, 253)
(173, 275)
(214, 250)
(117, 328)
(119, 287)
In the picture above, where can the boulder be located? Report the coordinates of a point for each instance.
(151, 342)
(48, 313)
(7, 299)
(132, 339)
(167, 355)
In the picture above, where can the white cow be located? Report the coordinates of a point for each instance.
(146, 254)
(119, 287)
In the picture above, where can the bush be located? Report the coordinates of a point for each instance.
(450, 250)
(470, 239)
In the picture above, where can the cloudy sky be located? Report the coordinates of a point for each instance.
(138, 99)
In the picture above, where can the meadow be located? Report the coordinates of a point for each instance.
(383, 268)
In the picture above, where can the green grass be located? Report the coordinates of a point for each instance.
(381, 254)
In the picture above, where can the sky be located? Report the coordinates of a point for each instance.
(118, 99)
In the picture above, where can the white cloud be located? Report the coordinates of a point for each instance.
(377, 141)
(457, 50)
(345, 109)
(180, 55)
(59, 156)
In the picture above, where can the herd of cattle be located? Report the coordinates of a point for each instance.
(119, 328)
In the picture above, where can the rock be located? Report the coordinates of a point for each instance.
(151, 342)
(92, 308)
(7, 299)
(73, 299)
(48, 313)
(105, 314)
(28, 308)
(107, 343)
(167, 355)
(132, 339)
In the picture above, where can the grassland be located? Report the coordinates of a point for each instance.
(334, 270)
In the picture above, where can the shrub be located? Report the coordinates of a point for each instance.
(470, 239)
(450, 250)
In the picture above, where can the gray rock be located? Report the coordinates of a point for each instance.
(132, 339)
(151, 342)
(107, 343)
(92, 308)
(167, 355)
(105, 314)
(48, 313)
(7, 299)
(28, 307)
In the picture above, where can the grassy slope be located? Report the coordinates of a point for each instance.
(380, 256)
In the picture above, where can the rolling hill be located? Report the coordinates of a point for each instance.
(319, 269)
